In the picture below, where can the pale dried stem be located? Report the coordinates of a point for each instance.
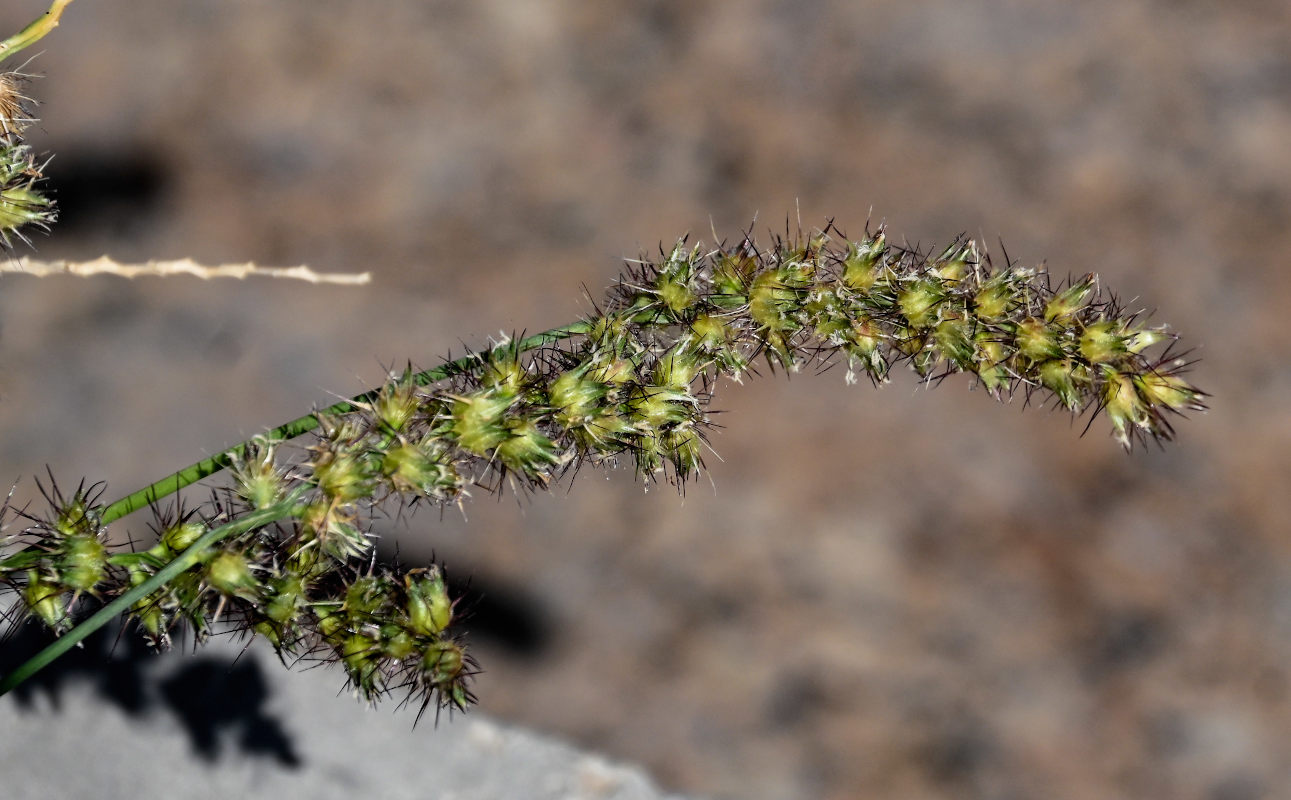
(106, 266)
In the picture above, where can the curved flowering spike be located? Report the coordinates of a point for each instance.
(875, 305)
(633, 382)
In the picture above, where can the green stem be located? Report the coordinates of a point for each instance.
(35, 31)
(209, 466)
(123, 603)
(290, 430)
(22, 559)
(147, 558)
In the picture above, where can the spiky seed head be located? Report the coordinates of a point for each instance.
(615, 371)
(862, 262)
(78, 515)
(420, 469)
(1143, 338)
(428, 606)
(675, 294)
(994, 298)
(1067, 302)
(672, 282)
(342, 476)
(341, 430)
(1168, 391)
(1037, 340)
(605, 432)
(257, 479)
(332, 529)
(1124, 406)
(956, 261)
(83, 563)
(443, 665)
(1065, 378)
(656, 407)
(679, 367)
(732, 273)
(503, 373)
(955, 344)
(397, 643)
(46, 600)
(613, 334)
(366, 597)
(478, 420)
(709, 330)
(286, 597)
(21, 206)
(180, 535)
(920, 301)
(526, 449)
(1103, 341)
(575, 397)
(147, 611)
(16, 108)
(863, 342)
(360, 655)
(992, 357)
(229, 573)
(772, 301)
(331, 624)
(682, 447)
(397, 403)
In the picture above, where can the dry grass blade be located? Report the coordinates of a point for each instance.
(106, 266)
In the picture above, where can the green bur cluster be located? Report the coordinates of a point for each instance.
(632, 383)
(23, 206)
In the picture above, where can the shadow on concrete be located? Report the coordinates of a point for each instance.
(218, 700)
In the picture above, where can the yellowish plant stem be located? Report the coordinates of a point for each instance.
(35, 31)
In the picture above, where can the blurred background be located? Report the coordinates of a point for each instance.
(893, 593)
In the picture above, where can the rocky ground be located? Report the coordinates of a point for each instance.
(892, 593)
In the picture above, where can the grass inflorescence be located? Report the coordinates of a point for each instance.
(632, 383)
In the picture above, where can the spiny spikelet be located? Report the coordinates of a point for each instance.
(66, 559)
(15, 107)
(23, 206)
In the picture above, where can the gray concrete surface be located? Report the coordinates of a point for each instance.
(71, 743)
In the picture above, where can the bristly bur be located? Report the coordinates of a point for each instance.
(23, 206)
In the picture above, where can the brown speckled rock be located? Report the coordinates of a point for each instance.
(896, 593)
